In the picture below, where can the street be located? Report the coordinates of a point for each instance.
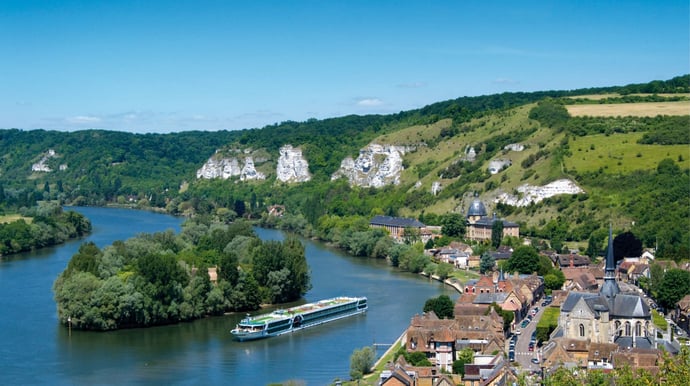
(522, 354)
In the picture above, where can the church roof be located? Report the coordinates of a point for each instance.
(477, 208)
(630, 306)
(572, 299)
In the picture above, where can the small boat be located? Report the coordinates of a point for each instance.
(296, 318)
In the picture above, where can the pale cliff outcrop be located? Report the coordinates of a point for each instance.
(376, 166)
(225, 167)
(292, 167)
(528, 194)
(42, 164)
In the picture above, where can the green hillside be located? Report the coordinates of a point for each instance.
(634, 169)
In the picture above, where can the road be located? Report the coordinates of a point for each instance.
(522, 353)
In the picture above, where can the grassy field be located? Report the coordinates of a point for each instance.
(620, 153)
(8, 218)
(649, 109)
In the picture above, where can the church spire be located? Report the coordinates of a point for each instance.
(610, 288)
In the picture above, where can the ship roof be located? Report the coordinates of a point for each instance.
(282, 314)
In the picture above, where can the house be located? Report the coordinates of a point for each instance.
(570, 260)
(479, 225)
(579, 279)
(396, 225)
(487, 370)
(401, 373)
(502, 253)
(434, 337)
(681, 315)
(600, 356)
(453, 256)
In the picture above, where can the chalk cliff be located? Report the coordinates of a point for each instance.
(292, 167)
(376, 166)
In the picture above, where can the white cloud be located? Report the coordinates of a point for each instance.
(83, 119)
(369, 102)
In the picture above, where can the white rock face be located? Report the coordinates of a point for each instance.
(435, 187)
(226, 167)
(376, 166)
(496, 166)
(249, 171)
(41, 165)
(470, 154)
(534, 194)
(292, 167)
(219, 168)
(515, 147)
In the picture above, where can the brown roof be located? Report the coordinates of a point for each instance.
(598, 351)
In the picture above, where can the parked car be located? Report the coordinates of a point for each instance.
(511, 356)
(531, 346)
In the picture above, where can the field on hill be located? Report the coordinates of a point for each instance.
(644, 109)
(8, 218)
(620, 153)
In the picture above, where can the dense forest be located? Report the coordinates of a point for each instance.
(163, 278)
(158, 171)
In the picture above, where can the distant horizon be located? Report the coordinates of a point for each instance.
(318, 119)
(162, 67)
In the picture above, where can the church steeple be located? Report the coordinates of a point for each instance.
(610, 288)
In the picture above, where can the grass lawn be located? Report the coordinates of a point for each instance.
(464, 275)
(8, 218)
(659, 321)
(620, 153)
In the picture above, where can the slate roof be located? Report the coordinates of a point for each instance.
(488, 298)
(489, 222)
(640, 342)
(400, 222)
(630, 306)
(572, 299)
(477, 208)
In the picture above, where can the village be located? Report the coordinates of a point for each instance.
(507, 326)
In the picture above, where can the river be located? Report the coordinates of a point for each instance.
(35, 349)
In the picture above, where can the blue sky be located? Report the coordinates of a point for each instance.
(167, 66)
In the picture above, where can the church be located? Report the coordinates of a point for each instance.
(609, 316)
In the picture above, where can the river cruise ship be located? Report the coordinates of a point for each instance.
(296, 318)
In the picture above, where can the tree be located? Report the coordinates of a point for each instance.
(453, 225)
(626, 245)
(442, 306)
(361, 362)
(674, 285)
(486, 262)
(411, 235)
(496, 233)
(525, 259)
(554, 280)
(466, 355)
(443, 270)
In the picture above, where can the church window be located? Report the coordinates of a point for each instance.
(619, 332)
(638, 329)
(582, 330)
(628, 331)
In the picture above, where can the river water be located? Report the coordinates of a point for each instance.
(35, 349)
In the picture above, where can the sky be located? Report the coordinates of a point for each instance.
(161, 66)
